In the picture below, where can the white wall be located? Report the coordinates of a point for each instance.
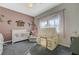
(71, 14)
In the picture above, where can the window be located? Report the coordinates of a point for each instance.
(53, 22)
(43, 24)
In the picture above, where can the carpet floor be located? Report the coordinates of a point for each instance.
(29, 48)
(19, 48)
(59, 50)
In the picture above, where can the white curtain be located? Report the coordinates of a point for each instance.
(62, 24)
(55, 20)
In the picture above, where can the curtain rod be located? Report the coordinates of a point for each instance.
(51, 14)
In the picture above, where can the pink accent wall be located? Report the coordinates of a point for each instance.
(5, 28)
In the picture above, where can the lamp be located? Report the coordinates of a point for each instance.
(30, 5)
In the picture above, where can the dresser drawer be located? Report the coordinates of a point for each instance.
(51, 44)
(43, 42)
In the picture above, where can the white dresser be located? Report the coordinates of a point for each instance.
(19, 35)
(1, 43)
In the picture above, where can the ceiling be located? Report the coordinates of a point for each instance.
(36, 9)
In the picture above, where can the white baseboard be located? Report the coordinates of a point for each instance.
(66, 45)
(8, 41)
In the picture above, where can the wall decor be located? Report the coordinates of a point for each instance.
(30, 24)
(9, 21)
(20, 23)
(1, 20)
(1, 16)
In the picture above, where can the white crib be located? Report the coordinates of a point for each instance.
(19, 35)
(1, 43)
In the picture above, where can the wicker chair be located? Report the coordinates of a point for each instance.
(48, 38)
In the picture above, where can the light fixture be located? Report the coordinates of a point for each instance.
(30, 5)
